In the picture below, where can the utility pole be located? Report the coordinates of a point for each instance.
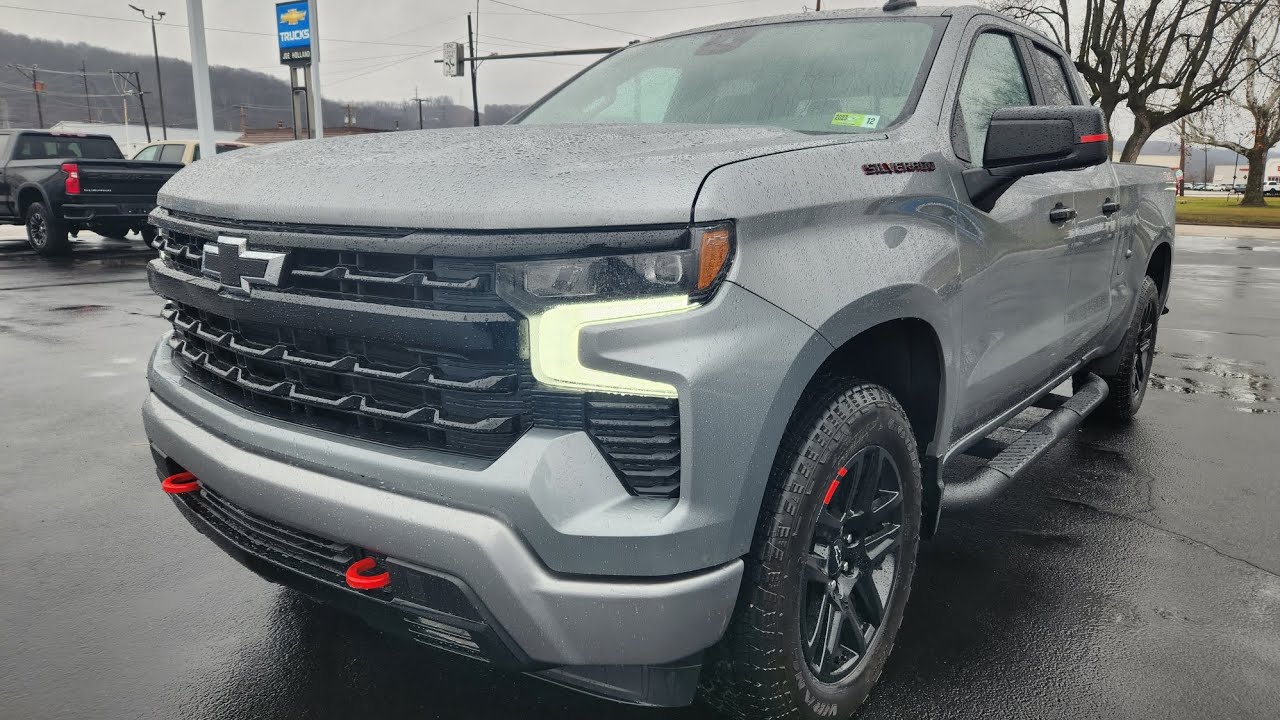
(471, 50)
(136, 84)
(36, 88)
(243, 124)
(1182, 157)
(155, 48)
(419, 101)
(84, 77)
(350, 120)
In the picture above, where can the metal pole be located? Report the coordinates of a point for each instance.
(1182, 157)
(155, 47)
(471, 50)
(313, 82)
(142, 100)
(84, 76)
(200, 78)
(35, 82)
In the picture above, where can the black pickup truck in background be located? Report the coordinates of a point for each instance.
(58, 184)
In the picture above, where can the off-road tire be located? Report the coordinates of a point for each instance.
(1128, 385)
(46, 234)
(759, 669)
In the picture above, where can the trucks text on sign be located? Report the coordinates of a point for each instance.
(293, 30)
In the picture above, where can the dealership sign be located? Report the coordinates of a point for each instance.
(293, 29)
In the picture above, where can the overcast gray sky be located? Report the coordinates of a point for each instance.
(382, 49)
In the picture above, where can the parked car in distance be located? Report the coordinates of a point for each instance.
(1199, 186)
(59, 183)
(655, 395)
(180, 151)
(1271, 189)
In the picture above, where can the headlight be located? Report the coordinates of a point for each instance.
(560, 297)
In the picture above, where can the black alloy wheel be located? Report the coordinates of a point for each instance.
(852, 565)
(37, 230)
(46, 234)
(1146, 348)
(1127, 383)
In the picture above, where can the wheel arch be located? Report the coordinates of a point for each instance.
(899, 338)
(1160, 267)
(29, 194)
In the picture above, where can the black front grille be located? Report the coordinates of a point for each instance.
(461, 284)
(457, 385)
(373, 390)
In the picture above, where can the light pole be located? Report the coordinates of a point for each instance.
(155, 47)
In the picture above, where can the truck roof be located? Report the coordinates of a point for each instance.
(961, 12)
(56, 133)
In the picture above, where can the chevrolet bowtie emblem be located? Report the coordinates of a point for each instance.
(229, 262)
(293, 17)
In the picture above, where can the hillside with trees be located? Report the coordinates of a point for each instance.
(265, 98)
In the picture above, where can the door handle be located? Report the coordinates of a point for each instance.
(1110, 207)
(1061, 213)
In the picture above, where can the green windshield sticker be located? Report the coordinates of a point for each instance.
(856, 120)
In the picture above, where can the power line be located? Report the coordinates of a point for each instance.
(569, 19)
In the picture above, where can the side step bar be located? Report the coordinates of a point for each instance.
(1005, 465)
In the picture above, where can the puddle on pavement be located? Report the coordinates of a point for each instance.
(1239, 381)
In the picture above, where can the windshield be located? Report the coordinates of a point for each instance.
(856, 75)
(59, 147)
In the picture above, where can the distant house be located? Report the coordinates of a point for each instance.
(283, 133)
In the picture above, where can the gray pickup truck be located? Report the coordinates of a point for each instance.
(651, 392)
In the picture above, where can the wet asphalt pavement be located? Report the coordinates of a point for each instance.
(1131, 575)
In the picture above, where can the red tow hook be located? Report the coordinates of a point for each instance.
(358, 580)
(183, 482)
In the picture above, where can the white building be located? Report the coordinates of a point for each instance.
(132, 137)
(1239, 173)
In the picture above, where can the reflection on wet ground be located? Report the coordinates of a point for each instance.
(1240, 381)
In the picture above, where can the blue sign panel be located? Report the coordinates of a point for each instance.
(293, 29)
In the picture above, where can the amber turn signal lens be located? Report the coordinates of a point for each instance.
(712, 256)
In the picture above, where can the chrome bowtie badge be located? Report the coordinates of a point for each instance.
(231, 263)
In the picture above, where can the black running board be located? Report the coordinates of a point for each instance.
(1006, 465)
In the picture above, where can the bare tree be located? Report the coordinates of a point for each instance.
(1163, 60)
(1257, 98)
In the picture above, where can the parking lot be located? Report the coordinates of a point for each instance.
(1131, 575)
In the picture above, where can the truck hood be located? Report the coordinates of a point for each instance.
(491, 178)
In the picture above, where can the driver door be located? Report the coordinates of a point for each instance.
(1013, 262)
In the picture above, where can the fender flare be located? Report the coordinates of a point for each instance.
(19, 210)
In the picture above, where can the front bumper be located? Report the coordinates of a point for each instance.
(552, 619)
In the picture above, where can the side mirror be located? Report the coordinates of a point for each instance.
(1037, 139)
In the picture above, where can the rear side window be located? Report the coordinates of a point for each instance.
(992, 80)
(4, 144)
(171, 153)
(151, 152)
(1053, 78)
(55, 147)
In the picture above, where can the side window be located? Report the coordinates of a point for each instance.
(4, 144)
(1053, 79)
(148, 153)
(992, 80)
(171, 153)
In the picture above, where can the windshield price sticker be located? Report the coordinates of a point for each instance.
(856, 120)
